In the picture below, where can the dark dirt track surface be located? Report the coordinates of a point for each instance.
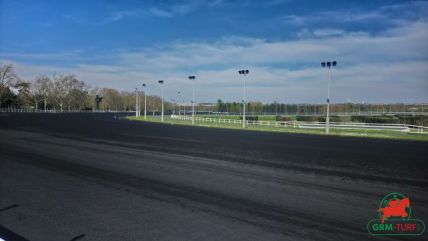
(111, 179)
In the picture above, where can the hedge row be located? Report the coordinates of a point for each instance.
(396, 119)
(413, 120)
(250, 118)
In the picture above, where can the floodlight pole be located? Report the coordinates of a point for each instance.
(276, 108)
(173, 106)
(179, 103)
(145, 103)
(244, 72)
(243, 114)
(139, 104)
(327, 130)
(161, 83)
(193, 99)
(153, 106)
(328, 65)
(136, 102)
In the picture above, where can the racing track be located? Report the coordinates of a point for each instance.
(95, 177)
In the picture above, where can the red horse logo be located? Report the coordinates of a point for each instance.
(395, 208)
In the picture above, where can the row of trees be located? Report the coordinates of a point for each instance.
(62, 92)
(66, 92)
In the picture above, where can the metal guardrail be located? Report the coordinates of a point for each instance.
(312, 125)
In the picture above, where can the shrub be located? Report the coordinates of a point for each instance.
(306, 118)
(335, 119)
(250, 118)
(376, 119)
(419, 120)
(284, 118)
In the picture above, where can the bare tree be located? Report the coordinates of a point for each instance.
(35, 92)
(60, 89)
(68, 91)
(112, 100)
(24, 97)
(58, 92)
(41, 88)
(8, 76)
(77, 94)
(128, 100)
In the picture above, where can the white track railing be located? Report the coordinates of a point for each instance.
(310, 125)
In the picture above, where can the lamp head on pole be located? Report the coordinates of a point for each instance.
(244, 72)
(328, 64)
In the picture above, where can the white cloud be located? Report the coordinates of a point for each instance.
(215, 3)
(160, 12)
(389, 67)
(334, 17)
(326, 32)
(172, 11)
(44, 56)
(294, 19)
(406, 43)
(123, 14)
(408, 11)
(157, 11)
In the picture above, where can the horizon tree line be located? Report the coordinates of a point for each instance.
(62, 92)
(67, 92)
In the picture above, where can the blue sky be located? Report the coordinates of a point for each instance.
(381, 46)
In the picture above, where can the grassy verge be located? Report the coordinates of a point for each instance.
(337, 132)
